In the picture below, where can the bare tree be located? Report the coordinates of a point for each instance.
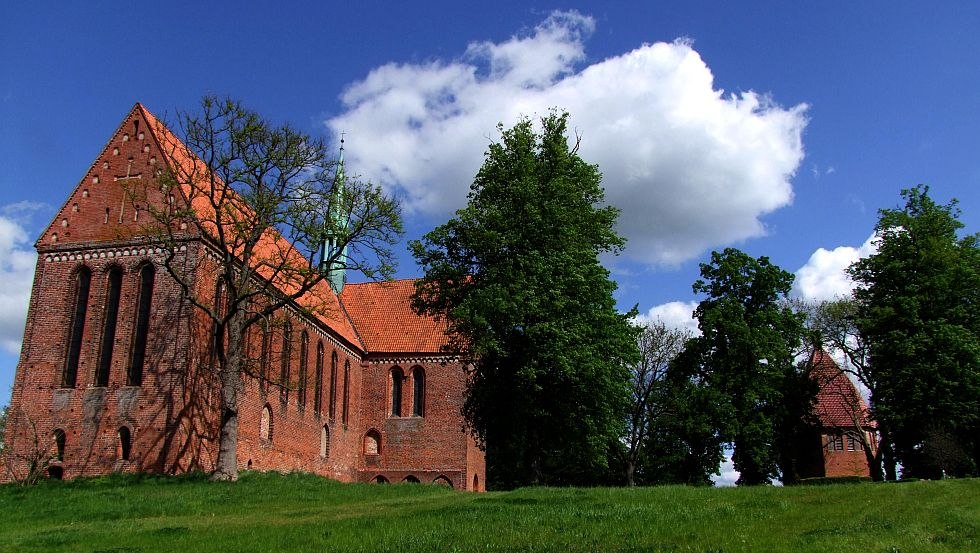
(659, 345)
(26, 463)
(253, 218)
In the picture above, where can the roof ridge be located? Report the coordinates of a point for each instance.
(176, 148)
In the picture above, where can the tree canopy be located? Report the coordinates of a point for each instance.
(918, 301)
(744, 360)
(516, 275)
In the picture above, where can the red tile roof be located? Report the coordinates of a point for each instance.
(837, 399)
(382, 313)
(271, 251)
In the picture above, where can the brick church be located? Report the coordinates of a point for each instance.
(113, 372)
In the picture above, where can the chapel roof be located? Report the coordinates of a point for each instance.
(321, 300)
(382, 313)
(837, 397)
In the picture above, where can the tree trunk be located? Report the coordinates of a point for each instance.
(874, 460)
(630, 473)
(226, 467)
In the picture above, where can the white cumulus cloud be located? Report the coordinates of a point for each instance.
(824, 277)
(674, 314)
(17, 259)
(691, 166)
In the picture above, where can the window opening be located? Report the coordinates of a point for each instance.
(83, 280)
(333, 385)
(59, 444)
(396, 392)
(143, 301)
(265, 424)
(318, 380)
(125, 443)
(346, 412)
(304, 345)
(287, 343)
(114, 281)
(418, 392)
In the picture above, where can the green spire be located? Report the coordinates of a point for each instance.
(337, 223)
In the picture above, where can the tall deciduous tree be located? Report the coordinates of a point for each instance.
(745, 357)
(919, 312)
(262, 200)
(651, 393)
(516, 276)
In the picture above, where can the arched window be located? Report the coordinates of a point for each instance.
(125, 443)
(83, 281)
(333, 385)
(346, 412)
(476, 482)
(304, 346)
(264, 356)
(114, 285)
(59, 444)
(265, 424)
(380, 480)
(411, 479)
(418, 392)
(372, 443)
(134, 376)
(318, 380)
(220, 302)
(396, 391)
(284, 358)
(325, 441)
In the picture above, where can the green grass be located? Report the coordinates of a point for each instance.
(272, 512)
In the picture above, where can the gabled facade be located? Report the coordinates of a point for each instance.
(113, 373)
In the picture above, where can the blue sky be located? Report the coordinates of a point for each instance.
(771, 127)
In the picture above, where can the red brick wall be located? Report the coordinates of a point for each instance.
(172, 416)
(426, 446)
(91, 416)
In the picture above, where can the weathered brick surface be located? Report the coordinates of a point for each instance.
(172, 415)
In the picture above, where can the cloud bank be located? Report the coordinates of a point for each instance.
(691, 166)
(17, 259)
(824, 276)
(674, 314)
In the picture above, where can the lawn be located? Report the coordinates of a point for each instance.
(273, 512)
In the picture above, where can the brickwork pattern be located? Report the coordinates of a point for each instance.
(171, 417)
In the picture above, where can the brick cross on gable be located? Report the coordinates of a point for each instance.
(125, 180)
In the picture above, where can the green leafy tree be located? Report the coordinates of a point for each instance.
(517, 278)
(265, 200)
(918, 303)
(685, 445)
(745, 359)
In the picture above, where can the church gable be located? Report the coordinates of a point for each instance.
(101, 207)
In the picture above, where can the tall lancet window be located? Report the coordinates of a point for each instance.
(83, 281)
(396, 391)
(134, 376)
(318, 380)
(418, 392)
(114, 284)
(304, 346)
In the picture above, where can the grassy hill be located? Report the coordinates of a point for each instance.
(272, 512)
